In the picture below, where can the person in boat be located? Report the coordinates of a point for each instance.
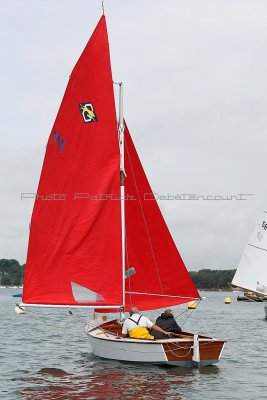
(167, 322)
(137, 326)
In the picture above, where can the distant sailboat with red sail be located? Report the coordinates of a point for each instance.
(95, 240)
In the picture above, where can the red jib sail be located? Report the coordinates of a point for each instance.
(74, 253)
(161, 279)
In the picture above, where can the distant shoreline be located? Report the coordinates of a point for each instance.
(201, 289)
(11, 287)
(215, 280)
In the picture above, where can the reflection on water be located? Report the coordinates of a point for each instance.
(53, 372)
(210, 370)
(104, 379)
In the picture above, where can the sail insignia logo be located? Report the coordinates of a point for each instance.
(88, 112)
(264, 225)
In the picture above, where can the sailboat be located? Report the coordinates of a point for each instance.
(96, 241)
(251, 273)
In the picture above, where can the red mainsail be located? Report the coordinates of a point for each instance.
(161, 279)
(74, 254)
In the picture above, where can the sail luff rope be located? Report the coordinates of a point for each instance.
(150, 242)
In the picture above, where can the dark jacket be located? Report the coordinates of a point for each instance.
(166, 322)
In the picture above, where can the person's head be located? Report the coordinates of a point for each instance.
(168, 311)
(133, 310)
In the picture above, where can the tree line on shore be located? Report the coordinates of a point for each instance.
(12, 273)
(213, 279)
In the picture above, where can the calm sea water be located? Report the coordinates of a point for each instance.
(47, 356)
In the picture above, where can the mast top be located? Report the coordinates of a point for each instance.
(103, 9)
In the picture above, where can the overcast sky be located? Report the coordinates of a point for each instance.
(195, 103)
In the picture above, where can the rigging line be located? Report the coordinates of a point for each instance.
(260, 248)
(178, 346)
(176, 355)
(35, 314)
(150, 242)
(90, 323)
(190, 313)
(105, 331)
(186, 318)
(177, 316)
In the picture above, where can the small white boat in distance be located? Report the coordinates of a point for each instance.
(251, 273)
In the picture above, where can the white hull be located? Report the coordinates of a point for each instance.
(183, 352)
